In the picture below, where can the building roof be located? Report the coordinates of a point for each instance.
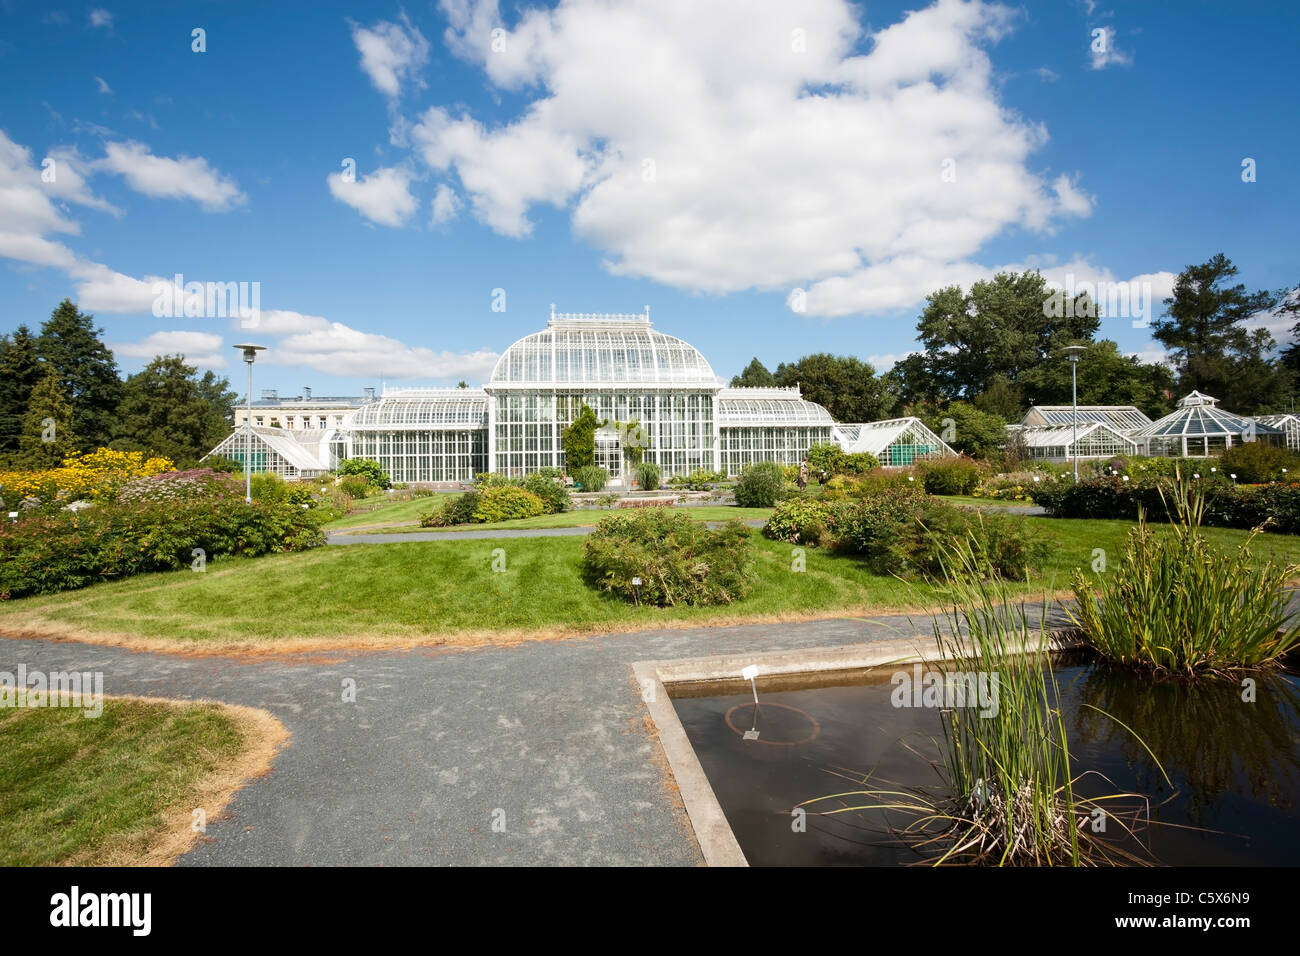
(768, 406)
(424, 408)
(1055, 436)
(875, 437)
(1121, 417)
(1277, 421)
(601, 349)
(306, 450)
(1198, 415)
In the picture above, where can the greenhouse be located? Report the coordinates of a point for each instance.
(300, 454)
(1289, 425)
(655, 396)
(896, 442)
(1121, 418)
(1093, 439)
(1198, 428)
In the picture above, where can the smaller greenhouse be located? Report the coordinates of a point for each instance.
(1199, 428)
(1120, 418)
(767, 424)
(1289, 426)
(299, 454)
(896, 442)
(1093, 439)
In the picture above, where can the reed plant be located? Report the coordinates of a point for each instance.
(1010, 793)
(1174, 604)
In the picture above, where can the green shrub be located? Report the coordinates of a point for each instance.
(451, 512)
(554, 496)
(506, 503)
(951, 476)
(802, 521)
(356, 487)
(1254, 462)
(760, 485)
(181, 485)
(591, 477)
(366, 468)
(648, 475)
(699, 480)
(679, 561)
(899, 530)
(44, 555)
(1173, 603)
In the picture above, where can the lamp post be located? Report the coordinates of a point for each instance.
(250, 356)
(1074, 351)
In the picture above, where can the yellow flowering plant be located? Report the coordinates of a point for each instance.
(96, 475)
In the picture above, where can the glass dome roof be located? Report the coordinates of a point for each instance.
(584, 350)
(1199, 415)
(769, 406)
(424, 408)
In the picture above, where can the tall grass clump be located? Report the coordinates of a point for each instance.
(1009, 793)
(1173, 604)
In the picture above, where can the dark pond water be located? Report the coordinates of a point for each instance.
(1234, 766)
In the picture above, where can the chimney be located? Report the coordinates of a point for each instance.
(370, 393)
(306, 391)
(270, 394)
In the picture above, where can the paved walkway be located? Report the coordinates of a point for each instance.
(551, 733)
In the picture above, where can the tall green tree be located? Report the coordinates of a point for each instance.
(49, 430)
(70, 343)
(1106, 377)
(755, 375)
(1003, 328)
(1213, 351)
(166, 409)
(579, 440)
(20, 371)
(846, 387)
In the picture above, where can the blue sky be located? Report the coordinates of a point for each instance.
(772, 179)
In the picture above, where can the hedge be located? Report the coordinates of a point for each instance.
(47, 554)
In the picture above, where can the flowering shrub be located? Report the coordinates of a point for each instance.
(646, 503)
(51, 553)
(180, 486)
(97, 475)
(505, 503)
(951, 476)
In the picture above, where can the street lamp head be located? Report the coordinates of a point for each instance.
(250, 352)
(1074, 351)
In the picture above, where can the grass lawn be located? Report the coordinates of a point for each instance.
(588, 518)
(382, 511)
(121, 788)
(445, 592)
(983, 502)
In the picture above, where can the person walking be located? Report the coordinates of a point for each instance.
(803, 475)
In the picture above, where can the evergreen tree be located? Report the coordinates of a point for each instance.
(1214, 352)
(70, 343)
(755, 375)
(20, 371)
(49, 434)
(166, 410)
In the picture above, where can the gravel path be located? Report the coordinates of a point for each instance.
(549, 735)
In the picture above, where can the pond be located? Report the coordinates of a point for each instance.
(1234, 764)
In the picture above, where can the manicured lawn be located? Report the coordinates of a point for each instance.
(447, 592)
(983, 502)
(588, 518)
(382, 511)
(117, 788)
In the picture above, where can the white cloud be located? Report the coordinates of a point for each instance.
(1072, 200)
(712, 148)
(445, 205)
(883, 363)
(391, 53)
(102, 85)
(189, 177)
(1047, 75)
(1104, 51)
(199, 348)
(383, 197)
(100, 18)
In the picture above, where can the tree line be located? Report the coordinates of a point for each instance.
(989, 353)
(61, 393)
